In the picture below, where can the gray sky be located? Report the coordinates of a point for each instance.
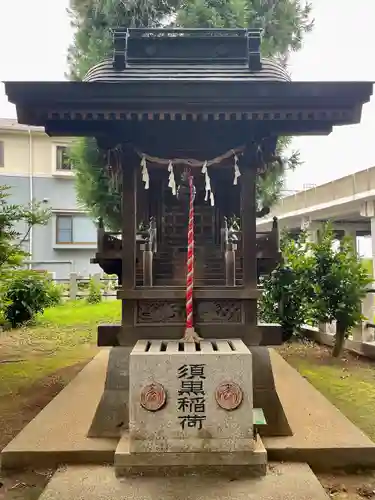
(33, 47)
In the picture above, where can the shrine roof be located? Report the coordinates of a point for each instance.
(195, 81)
(291, 108)
(269, 71)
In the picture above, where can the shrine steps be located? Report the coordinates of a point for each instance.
(229, 464)
(169, 267)
(211, 274)
(282, 482)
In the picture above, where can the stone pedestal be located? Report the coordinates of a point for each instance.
(112, 414)
(190, 406)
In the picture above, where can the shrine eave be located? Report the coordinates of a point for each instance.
(333, 103)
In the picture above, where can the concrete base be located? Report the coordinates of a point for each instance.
(58, 434)
(322, 436)
(112, 414)
(266, 396)
(282, 482)
(243, 463)
(189, 378)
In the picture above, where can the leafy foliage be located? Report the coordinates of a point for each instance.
(26, 294)
(316, 282)
(340, 281)
(12, 253)
(95, 292)
(284, 23)
(287, 292)
(93, 185)
(11, 216)
(55, 293)
(270, 185)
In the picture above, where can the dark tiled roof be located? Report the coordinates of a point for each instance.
(104, 72)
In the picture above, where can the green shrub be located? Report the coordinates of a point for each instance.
(55, 293)
(340, 281)
(95, 292)
(26, 294)
(316, 283)
(287, 292)
(83, 285)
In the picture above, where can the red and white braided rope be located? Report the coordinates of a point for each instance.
(190, 260)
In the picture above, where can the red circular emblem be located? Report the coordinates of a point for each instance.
(153, 397)
(228, 395)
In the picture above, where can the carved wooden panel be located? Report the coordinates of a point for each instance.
(219, 311)
(173, 312)
(160, 311)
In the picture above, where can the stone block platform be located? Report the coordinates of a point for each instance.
(322, 436)
(191, 398)
(189, 410)
(58, 434)
(233, 464)
(282, 482)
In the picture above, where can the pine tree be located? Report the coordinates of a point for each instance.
(284, 22)
(94, 20)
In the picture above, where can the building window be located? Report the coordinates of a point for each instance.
(64, 229)
(1, 154)
(75, 229)
(62, 159)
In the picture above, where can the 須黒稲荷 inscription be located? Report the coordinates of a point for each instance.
(191, 401)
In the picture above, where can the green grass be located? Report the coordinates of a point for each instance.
(63, 336)
(81, 313)
(348, 383)
(367, 264)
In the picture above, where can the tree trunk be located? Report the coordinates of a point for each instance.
(287, 332)
(339, 340)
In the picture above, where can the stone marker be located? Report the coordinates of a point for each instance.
(190, 403)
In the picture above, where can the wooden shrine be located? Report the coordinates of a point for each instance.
(203, 101)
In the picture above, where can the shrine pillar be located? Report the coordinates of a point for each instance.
(129, 227)
(112, 415)
(248, 230)
(129, 230)
(230, 264)
(148, 256)
(248, 227)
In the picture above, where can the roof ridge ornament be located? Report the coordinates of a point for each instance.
(192, 47)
